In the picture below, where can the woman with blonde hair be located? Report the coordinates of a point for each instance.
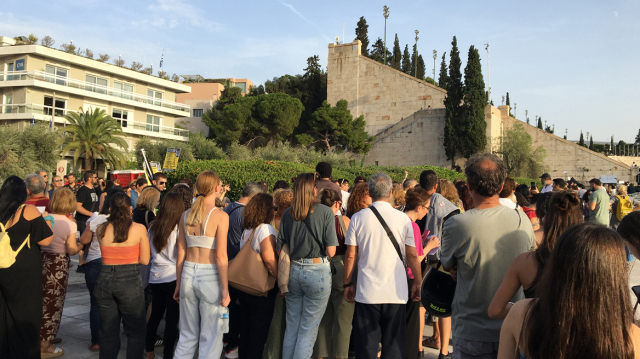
(308, 228)
(201, 269)
(55, 266)
(449, 191)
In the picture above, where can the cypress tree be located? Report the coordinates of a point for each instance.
(412, 70)
(443, 78)
(362, 30)
(591, 143)
(452, 103)
(473, 136)
(421, 68)
(508, 103)
(540, 123)
(396, 62)
(406, 60)
(581, 143)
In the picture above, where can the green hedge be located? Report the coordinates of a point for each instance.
(237, 173)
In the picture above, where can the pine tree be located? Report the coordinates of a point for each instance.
(421, 68)
(540, 123)
(473, 137)
(362, 30)
(378, 50)
(406, 60)
(443, 79)
(591, 143)
(452, 103)
(581, 143)
(396, 62)
(412, 70)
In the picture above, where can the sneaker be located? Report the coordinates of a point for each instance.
(442, 356)
(231, 354)
(81, 269)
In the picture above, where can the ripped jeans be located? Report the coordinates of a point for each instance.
(200, 312)
(309, 291)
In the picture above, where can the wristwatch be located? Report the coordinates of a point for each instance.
(347, 285)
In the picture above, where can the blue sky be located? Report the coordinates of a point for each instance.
(574, 63)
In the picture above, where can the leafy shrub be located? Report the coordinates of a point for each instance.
(25, 151)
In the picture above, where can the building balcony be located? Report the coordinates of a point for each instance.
(83, 88)
(36, 112)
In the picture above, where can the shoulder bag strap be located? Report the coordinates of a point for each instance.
(239, 206)
(392, 238)
(313, 234)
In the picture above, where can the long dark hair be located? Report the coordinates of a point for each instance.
(171, 209)
(12, 194)
(564, 210)
(119, 218)
(629, 229)
(583, 308)
(465, 195)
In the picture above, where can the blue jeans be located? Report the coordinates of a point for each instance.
(121, 299)
(309, 291)
(91, 277)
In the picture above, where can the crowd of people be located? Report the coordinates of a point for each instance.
(336, 267)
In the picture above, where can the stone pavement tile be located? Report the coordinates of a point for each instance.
(68, 323)
(76, 310)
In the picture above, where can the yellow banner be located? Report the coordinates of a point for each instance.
(171, 159)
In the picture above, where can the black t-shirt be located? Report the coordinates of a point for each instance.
(139, 217)
(89, 199)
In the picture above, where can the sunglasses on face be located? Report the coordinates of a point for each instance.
(161, 183)
(58, 180)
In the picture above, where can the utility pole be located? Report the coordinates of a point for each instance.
(385, 13)
(526, 115)
(415, 74)
(566, 133)
(435, 55)
(515, 106)
(502, 100)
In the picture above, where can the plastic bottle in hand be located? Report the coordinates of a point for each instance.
(224, 319)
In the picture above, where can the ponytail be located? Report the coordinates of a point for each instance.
(206, 184)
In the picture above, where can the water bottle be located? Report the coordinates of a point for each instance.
(224, 319)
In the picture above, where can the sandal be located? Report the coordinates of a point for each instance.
(56, 353)
(431, 343)
(55, 340)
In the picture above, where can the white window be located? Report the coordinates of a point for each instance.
(57, 75)
(92, 81)
(61, 105)
(153, 123)
(8, 100)
(7, 68)
(197, 112)
(121, 116)
(123, 90)
(156, 96)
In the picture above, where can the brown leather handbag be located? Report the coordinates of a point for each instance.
(249, 274)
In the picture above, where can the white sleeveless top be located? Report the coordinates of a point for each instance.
(202, 240)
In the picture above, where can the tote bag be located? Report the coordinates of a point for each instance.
(248, 273)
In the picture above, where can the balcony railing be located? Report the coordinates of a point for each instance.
(148, 128)
(88, 86)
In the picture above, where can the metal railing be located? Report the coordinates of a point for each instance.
(37, 109)
(88, 86)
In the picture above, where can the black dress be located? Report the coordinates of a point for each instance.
(21, 292)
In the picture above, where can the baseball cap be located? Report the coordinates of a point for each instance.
(546, 175)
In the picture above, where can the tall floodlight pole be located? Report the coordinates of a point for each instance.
(488, 71)
(415, 74)
(385, 13)
(435, 55)
(515, 106)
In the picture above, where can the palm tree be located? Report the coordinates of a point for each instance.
(94, 133)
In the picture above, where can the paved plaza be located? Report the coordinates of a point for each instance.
(75, 333)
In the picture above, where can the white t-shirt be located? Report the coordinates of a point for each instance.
(381, 275)
(163, 264)
(262, 232)
(94, 248)
(547, 188)
(507, 202)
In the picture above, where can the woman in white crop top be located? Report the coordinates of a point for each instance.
(201, 270)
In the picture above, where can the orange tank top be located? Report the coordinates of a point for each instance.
(120, 255)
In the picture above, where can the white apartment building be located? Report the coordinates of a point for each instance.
(38, 83)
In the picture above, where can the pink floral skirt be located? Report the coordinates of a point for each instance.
(55, 275)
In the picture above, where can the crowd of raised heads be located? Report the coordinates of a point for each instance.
(317, 267)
